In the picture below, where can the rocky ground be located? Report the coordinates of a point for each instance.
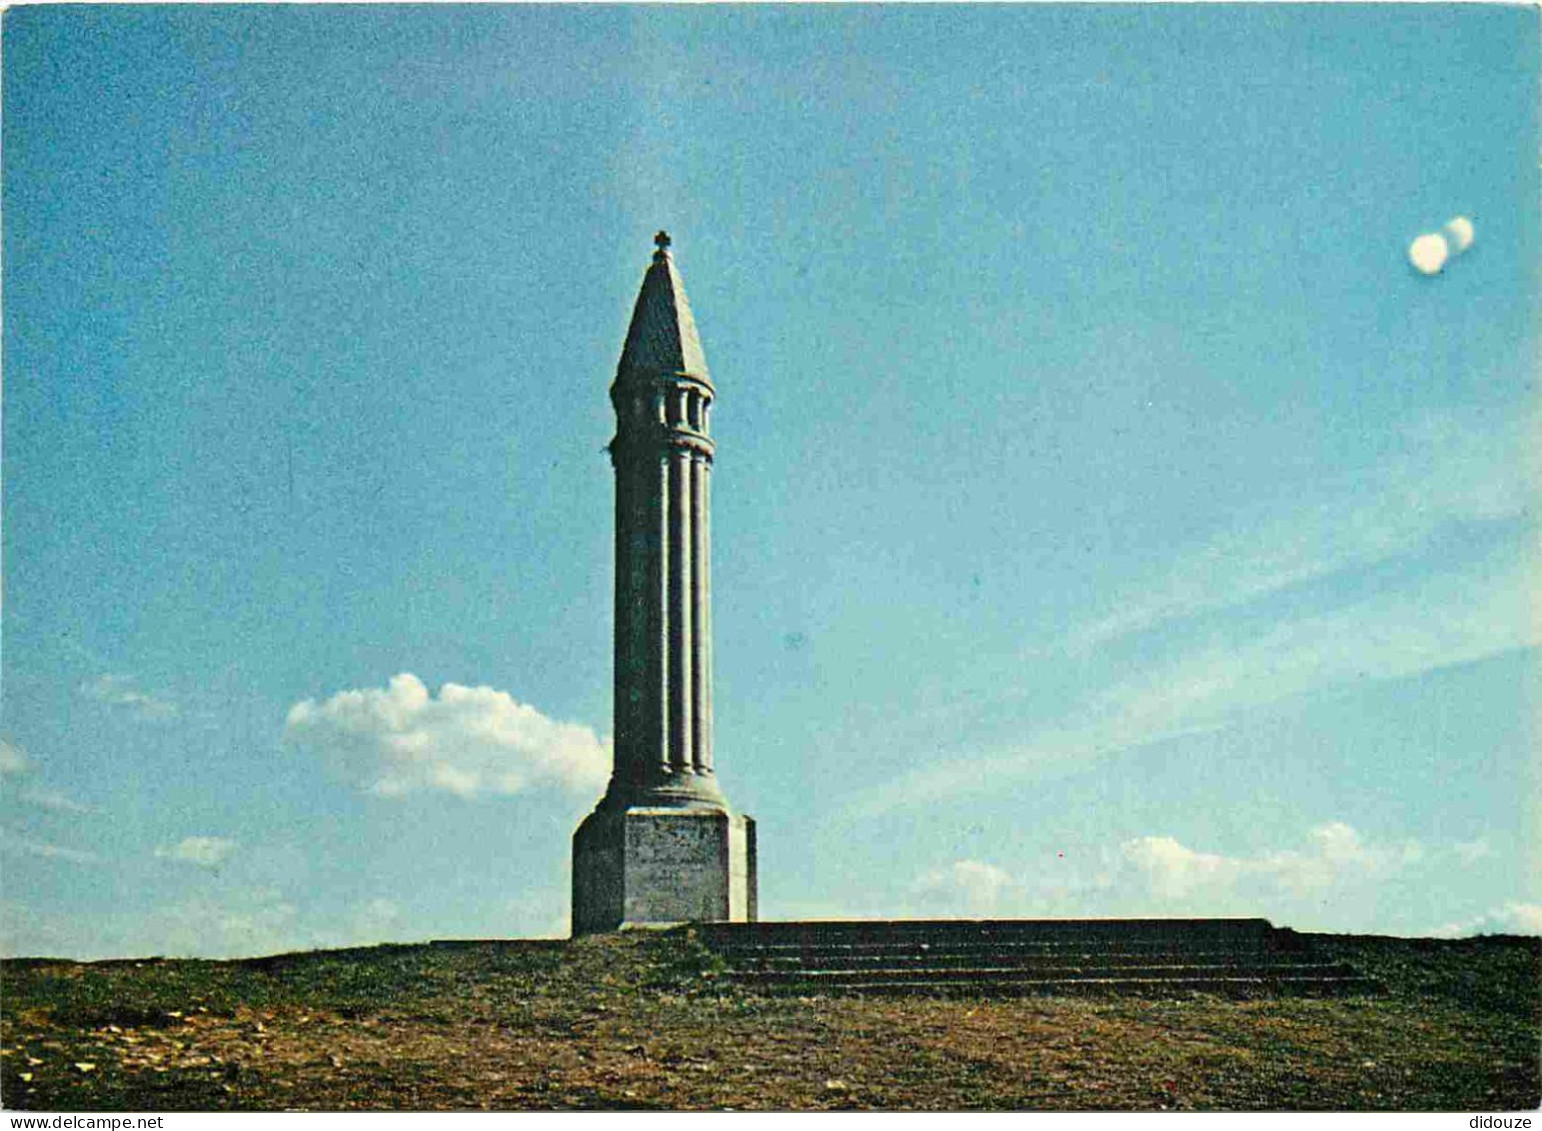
(646, 1021)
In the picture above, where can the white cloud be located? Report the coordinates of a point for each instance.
(1176, 872)
(968, 887)
(1335, 857)
(1511, 918)
(1334, 878)
(120, 691)
(13, 759)
(1159, 874)
(467, 741)
(204, 851)
(1522, 918)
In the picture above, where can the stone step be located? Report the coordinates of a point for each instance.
(1127, 931)
(942, 950)
(1242, 957)
(1092, 986)
(923, 973)
(836, 964)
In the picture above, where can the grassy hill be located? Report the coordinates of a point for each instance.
(646, 1021)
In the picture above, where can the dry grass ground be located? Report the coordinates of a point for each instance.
(643, 1021)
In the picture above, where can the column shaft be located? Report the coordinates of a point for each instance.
(701, 666)
(630, 645)
(660, 561)
(680, 609)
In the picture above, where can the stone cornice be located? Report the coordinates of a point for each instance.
(635, 379)
(659, 440)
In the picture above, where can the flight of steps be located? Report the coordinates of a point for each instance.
(1013, 957)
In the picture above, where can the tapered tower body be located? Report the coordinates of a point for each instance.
(663, 846)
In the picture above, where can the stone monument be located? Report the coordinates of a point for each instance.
(662, 846)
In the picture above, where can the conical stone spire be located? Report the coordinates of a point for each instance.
(662, 339)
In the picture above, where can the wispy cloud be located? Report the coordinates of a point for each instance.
(204, 851)
(25, 846)
(1449, 470)
(122, 691)
(1452, 619)
(17, 763)
(1455, 619)
(235, 922)
(230, 924)
(467, 741)
(57, 800)
(1430, 618)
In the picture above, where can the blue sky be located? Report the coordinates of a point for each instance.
(1109, 519)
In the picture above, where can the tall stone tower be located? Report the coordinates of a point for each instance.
(662, 845)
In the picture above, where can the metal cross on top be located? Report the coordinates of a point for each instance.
(661, 240)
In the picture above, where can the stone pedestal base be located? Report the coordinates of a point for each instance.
(640, 865)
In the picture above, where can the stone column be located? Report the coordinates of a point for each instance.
(662, 845)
